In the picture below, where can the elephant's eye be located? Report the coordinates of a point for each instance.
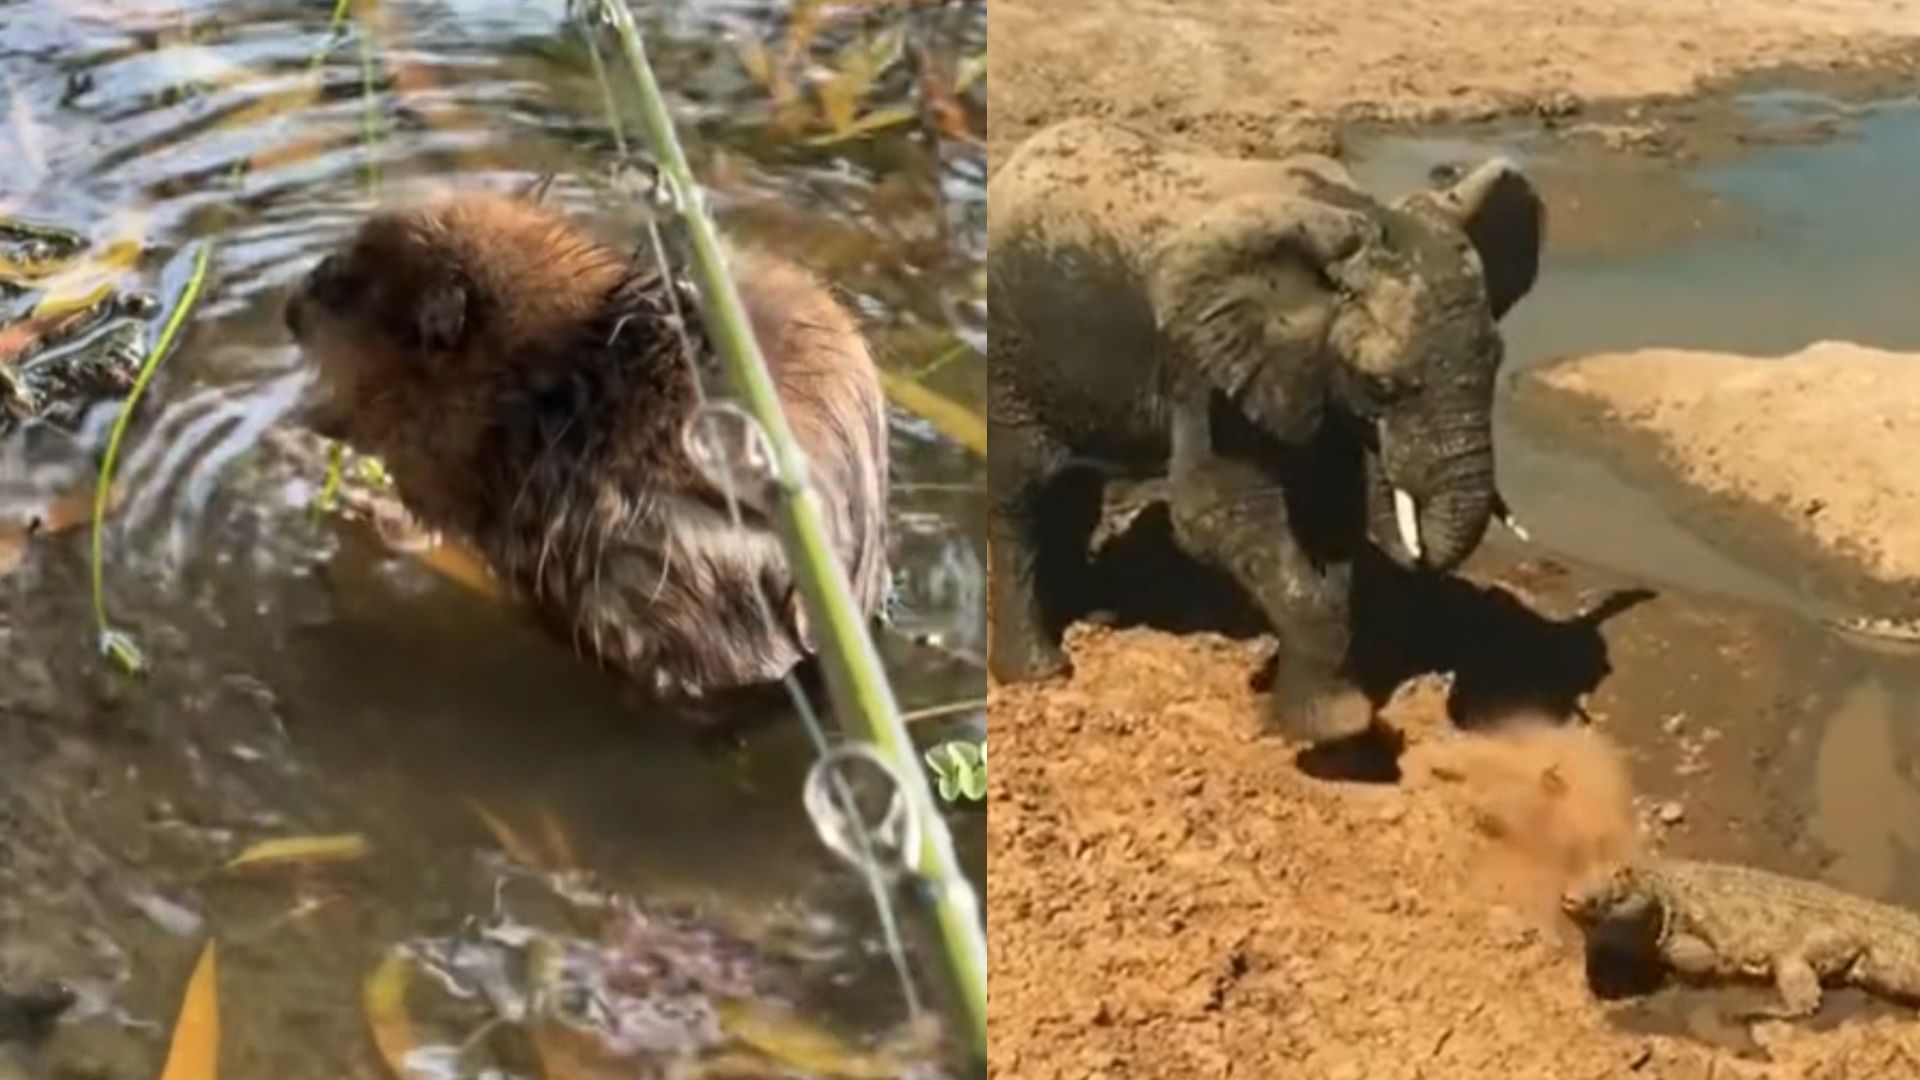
(1384, 390)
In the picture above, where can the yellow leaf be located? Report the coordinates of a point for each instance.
(195, 1053)
(66, 303)
(954, 420)
(758, 62)
(802, 21)
(461, 566)
(790, 117)
(874, 55)
(13, 546)
(559, 845)
(89, 280)
(515, 844)
(802, 1046)
(972, 70)
(301, 96)
(302, 849)
(383, 997)
(868, 124)
(840, 100)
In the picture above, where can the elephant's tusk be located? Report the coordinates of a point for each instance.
(1505, 513)
(1407, 516)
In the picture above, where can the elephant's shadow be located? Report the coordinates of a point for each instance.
(1505, 658)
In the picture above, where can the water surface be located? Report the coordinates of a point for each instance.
(308, 681)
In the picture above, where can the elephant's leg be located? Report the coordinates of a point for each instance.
(1234, 516)
(1038, 525)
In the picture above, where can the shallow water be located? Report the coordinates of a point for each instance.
(308, 681)
(1783, 246)
(1822, 254)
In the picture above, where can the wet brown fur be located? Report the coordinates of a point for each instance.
(527, 386)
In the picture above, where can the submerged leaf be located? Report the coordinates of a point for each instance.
(840, 101)
(972, 70)
(302, 849)
(877, 120)
(802, 1046)
(515, 845)
(88, 281)
(384, 999)
(954, 420)
(462, 566)
(13, 547)
(758, 62)
(556, 840)
(195, 1051)
(866, 59)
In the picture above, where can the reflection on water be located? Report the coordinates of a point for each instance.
(306, 681)
(1866, 808)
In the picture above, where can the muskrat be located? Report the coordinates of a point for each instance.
(528, 384)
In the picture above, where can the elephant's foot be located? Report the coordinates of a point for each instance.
(1317, 711)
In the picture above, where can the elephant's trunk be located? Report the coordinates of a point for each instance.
(1433, 491)
(1454, 516)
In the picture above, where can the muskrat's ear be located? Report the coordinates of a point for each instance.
(440, 318)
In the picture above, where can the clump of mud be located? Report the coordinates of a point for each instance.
(1553, 802)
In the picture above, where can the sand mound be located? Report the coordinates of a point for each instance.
(1821, 439)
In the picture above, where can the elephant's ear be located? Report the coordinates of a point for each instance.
(1241, 299)
(1502, 215)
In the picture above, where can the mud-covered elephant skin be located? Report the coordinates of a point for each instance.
(1307, 365)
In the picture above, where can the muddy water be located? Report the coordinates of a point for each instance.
(305, 680)
(1763, 253)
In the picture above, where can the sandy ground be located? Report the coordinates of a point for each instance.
(1257, 75)
(1821, 439)
(1172, 897)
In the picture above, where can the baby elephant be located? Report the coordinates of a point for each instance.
(1305, 364)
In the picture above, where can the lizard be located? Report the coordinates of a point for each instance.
(1708, 921)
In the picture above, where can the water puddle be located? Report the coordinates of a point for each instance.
(308, 681)
(1866, 804)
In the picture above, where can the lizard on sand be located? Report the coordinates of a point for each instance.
(1715, 921)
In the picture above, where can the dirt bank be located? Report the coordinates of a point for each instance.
(1813, 448)
(1257, 76)
(1172, 897)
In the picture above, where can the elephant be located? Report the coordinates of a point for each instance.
(1309, 368)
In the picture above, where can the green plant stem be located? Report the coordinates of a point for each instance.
(369, 109)
(103, 488)
(855, 677)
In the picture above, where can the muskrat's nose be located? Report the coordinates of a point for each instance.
(292, 315)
